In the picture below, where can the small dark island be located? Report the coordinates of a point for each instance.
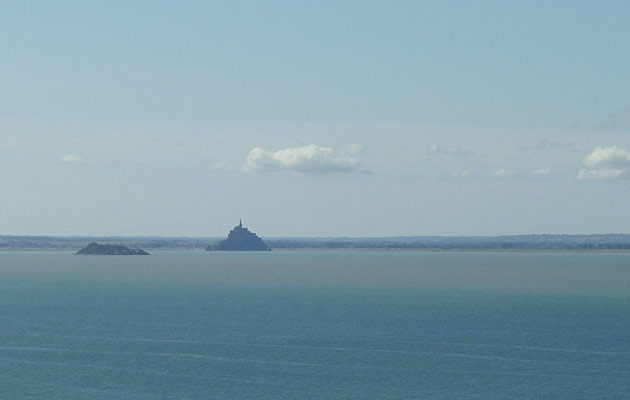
(110, 250)
(240, 239)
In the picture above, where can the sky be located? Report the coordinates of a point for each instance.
(327, 118)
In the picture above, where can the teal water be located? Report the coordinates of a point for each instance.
(315, 325)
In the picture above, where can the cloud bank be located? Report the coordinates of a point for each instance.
(541, 171)
(436, 150)
(548, 144)
(70, 158)
(500, 173)
(605, 164)
(307, 159)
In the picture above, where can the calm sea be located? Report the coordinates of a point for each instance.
(315, 325)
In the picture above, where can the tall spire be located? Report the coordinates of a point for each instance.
(240, 223)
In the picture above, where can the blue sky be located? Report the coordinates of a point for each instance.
(314, 119)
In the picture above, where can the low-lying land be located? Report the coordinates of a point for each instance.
(517, 242)
(96, 249)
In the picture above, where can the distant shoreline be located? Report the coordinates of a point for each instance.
(356, 249)
(533, 243)
(461, 250)
(312, 250)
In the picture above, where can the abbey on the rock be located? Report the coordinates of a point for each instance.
(241, 239)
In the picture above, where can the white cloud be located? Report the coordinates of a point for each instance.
(604, 164)
(306, 159)
(606, 157)
(541, 171)
(503, 172)
(70, 158)
(221, 166)
(601, 174)
(436, 150)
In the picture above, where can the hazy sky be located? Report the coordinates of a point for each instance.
(321, 118)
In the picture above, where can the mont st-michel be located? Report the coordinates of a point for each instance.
(96, 249)
(240, 239)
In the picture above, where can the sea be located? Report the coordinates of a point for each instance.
(315, 325)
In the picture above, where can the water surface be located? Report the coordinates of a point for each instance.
(318, 325)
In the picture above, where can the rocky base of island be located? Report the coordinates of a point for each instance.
(110, 250)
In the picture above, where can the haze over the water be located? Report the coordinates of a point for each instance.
(537, 273)
(314, 118)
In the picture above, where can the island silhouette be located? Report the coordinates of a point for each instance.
(110, 250)
(240, 239)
